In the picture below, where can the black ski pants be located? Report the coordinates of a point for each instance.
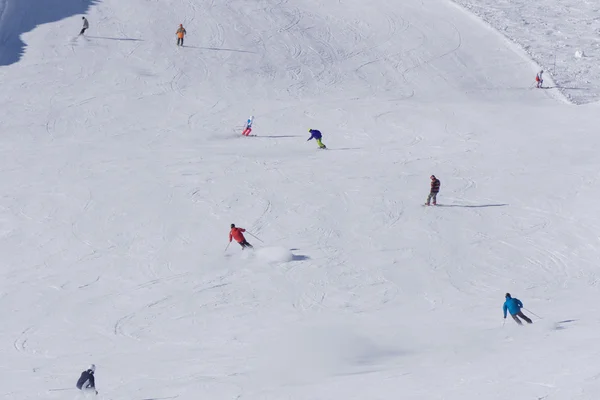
(245, 244)
(520, 314)
(179, 41)
(82, 31)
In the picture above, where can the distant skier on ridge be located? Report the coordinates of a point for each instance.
(85, 27)
(539, 79)
(181, 32)
(317, 135)
(435, 189)
(514, 305)
(236, 233)
(87, 381)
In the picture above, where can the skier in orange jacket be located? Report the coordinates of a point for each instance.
(180, 34)
(236, 233)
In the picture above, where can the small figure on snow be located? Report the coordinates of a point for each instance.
(248, 128)
(317, 135)
(236, 233)
(86, 25)
(181, 32)
(539, 79)
(86, 381)
(514, 305)
(435, 189)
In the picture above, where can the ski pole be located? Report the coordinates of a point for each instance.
(503, 322)
(254, 236)
(226, 247)
(531, 312)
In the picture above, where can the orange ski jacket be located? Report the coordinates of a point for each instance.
(236, 233)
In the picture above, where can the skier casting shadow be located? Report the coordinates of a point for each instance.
(181, 32)
(236, 233)
(318, 136)
(87, 382)
(435, 189)
(85, 26)
(514, 305)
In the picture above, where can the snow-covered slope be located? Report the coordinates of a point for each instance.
(21, 16)
(563, 36)
(123, 167)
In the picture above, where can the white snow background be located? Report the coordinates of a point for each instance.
(123, 167)
(562, 36)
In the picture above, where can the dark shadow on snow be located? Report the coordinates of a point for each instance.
(297, 257)
(219, 49)
(275, 136)
(21, 16)
(161, 398)
(114, 38)
(345, 148)
(471, 206)
(559, 327)
(563, 87)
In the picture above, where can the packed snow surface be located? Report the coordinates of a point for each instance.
(562, 36)
(123, 167)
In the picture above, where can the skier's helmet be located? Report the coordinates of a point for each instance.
(432, 177)
(92, 368)
(310, 130)
(233, 225)
(82, 17)
(507, 296)
(181, 25)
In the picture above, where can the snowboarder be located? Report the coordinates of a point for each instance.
(539, 79)
(86, 25)
(86, 381)
(236, 233)
(514, 305)
(180, 34)
(248, 128)
(317, 135)
(435, 189)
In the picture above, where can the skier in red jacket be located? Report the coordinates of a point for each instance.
(236, 233)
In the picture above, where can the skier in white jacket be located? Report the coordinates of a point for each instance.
(539, 79)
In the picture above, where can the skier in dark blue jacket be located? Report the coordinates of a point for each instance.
(317, 135)
(514, 305)
(86, 381)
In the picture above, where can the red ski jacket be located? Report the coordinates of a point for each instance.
(236, 233)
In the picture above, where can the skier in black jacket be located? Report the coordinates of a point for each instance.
(86, 380)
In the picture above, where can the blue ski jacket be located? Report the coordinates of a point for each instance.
(315, 134)
(512, 305)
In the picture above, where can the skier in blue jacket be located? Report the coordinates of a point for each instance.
(514, 305)
(317, 135)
